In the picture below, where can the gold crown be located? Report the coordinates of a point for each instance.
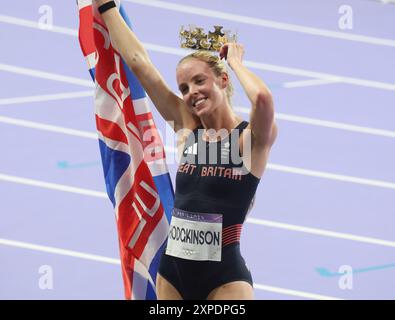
(195, 38)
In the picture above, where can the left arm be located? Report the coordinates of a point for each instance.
(263, 127)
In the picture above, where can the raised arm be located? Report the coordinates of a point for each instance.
(263, 127)
(169, 105)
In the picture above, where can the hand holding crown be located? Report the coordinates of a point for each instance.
(195, 38)
(233, 53)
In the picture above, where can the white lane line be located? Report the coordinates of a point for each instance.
(48, 127)
(113, 261)
(46, 75)
(287, 70)
(58, 129)
(320, 75)
(251, 64)
(35, 25)
(279, 116)
(335, 125)
(296, 293)
(321, 232)
(307, 83)
(261, 222)
(326, 124)
(52, 186)
(270, 166)
(265, 23)
(59, 251)
(46, 97)
(384, 1)
(331, 176)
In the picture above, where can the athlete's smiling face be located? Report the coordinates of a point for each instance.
(201, 89)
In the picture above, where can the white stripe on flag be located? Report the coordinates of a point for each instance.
(155, 241)
(114, 144)
(123, 186)
(137, 231)
(91, 59)
(134, 129)
(157, 167)
(141, 106)
(107, 108)
(136, 151)
(139, 288)
(84, 3)
(141, 277)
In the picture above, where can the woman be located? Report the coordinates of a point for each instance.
(202, 258)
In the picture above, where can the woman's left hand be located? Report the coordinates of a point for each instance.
(232, 52)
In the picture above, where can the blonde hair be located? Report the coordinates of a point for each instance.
(215, 63)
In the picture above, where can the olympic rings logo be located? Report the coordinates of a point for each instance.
(188, 252)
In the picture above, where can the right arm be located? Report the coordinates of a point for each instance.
(169, 105)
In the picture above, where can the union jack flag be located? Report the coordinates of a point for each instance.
(136, 175)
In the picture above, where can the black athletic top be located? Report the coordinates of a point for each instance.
(212, 178)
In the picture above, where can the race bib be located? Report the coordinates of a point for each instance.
(195, 236)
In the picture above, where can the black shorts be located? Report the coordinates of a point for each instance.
(194, 280)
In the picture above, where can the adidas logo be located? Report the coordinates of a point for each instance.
(225, 150)
(191, 149)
